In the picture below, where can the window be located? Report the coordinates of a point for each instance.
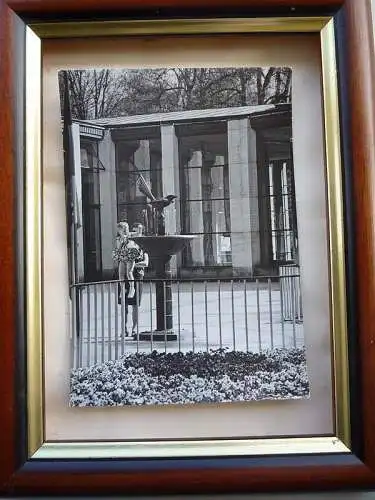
(278, 226)
(204, 192)
(135, 158)
(90, 170)
(282, 211)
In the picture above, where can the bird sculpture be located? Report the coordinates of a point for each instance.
(162, 203)
(154, 212)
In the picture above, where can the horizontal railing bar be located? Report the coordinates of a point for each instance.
(189, 280)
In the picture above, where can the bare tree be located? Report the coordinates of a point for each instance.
(105, 93)
(94, 93)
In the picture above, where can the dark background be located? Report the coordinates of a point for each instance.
(291, 496)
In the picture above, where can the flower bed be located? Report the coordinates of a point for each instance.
(182, 378)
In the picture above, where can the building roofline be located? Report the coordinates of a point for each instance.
(178, 116)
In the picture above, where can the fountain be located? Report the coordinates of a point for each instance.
(160, 248)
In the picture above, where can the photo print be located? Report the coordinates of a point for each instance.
(182, 225)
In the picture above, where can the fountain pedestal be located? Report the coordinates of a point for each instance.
(160, 250)
(164, 310)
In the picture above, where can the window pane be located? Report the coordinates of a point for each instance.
(204, 183)
(206, 216)
(205, 206)
(90, 186)
(208, 250)
(128, 187)
(89, 155)
(131, 212)
(136, 159)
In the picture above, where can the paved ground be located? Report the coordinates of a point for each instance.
(203, 320)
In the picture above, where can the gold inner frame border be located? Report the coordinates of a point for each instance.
(37, 447)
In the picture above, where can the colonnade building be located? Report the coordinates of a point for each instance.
(231, 170)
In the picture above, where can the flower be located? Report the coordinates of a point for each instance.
(181, 378)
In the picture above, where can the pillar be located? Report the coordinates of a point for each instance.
(254, 194)
(170, 184)
(78, 202)
(108, 201)
(244, 214)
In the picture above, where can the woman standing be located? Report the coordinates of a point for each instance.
(132, 262)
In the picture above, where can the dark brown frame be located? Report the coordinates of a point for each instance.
(203, 475)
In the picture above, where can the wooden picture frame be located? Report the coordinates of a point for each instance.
(231, 472)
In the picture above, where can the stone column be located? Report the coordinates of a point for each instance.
(108, 201)
(254, 194)
(78, 202)
(244, 214)
(169, 148)
(170, 184)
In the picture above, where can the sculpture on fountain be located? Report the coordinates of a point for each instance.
(153, 214)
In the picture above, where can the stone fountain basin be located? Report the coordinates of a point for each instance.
(161, 246)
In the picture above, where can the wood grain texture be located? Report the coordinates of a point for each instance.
(196, 481)
(214, 479)
(7, 261)
(361, 80)
(85, 6)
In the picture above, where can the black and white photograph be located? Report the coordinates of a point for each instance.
(182, 236)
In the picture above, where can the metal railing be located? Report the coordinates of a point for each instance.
(236, 314)
(291, 297)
